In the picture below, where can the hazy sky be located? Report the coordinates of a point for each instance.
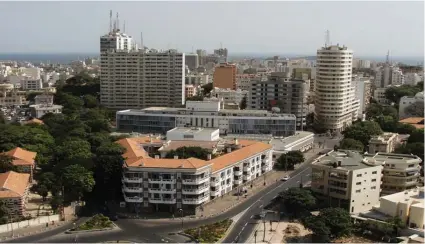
(369, 28)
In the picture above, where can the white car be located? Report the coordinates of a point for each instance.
(285, 178)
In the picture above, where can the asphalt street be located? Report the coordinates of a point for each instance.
(154, 231)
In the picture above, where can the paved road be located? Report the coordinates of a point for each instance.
(154, 231)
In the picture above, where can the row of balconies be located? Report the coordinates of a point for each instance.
(167, 181)
(195, 201)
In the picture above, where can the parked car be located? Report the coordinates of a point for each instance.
(285, 178)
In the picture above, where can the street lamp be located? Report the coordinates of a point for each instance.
(181, 212)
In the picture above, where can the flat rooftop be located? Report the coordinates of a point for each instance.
(282, 143)
(350, 160)
(393, 158)
(193, 130)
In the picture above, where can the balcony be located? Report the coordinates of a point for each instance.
(247, 177)
(162, 200)
(159, 180)
(238, 173)
(264, 160)
(161, 190)
(132, 189)
(215, 183)
(265, 167)
(196, 201)
(196, 191)
(195, 181)
(215, 193)
(133, 199)
(237, 182)
(247, 169)
(132, 180)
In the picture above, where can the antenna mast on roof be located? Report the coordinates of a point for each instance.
(118, 23)
(388, 57)
(123, 28)
(110, 21)
(327, 38)
(141, 40)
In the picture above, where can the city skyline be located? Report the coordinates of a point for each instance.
(186, 31)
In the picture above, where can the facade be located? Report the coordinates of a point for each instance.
(363, 92)
(191, 90)
(347, 180)
(206, 114)
(23, 159)
(46, 99)
(400, 172)
(14, 191)
(182, 186)
(361, 64)
(193, 134)
(407, 205)
(10, 96)
(28, 83)
(335, 103)
(39, 110)
(192, 61)
(243, 81)
(116, 40)
(201, 56)
(225, 76)
(229, 96)
(406, 101)
(279, 90)
(142, 78)
(412, 79)
(385, 143)
(197, 79)
(379, 96)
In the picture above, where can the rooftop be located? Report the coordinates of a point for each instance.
(350, 160)
(21, 156)
(418, 122)
(280, 144)
(393, 158)
(384, 138)
(173, 145)
(13, 184)
(192, 130)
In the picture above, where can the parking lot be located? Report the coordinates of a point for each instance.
(15, 113)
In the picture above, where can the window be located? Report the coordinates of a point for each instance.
(359, 175)
(358, 183)
(374, 172)
(358, 191)
(373, 180)
(373, 187)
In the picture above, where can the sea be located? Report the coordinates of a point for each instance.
(65, 58)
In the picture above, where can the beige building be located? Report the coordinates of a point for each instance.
(14, 191)
(190, 90)
(407, 205)
(243, 81)
(225, 76)
(385, 143)
(142, 78)
(400, 172)
(23, 159)
(335, 104)
(10, 96)
(175, 185)
(347, 180)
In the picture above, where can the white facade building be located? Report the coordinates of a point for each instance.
(28, 83)
(412, 79)
(347, 180)
(193, 134)
(197, 79)
(408, 101)
(39, 110)
(362, 92)
(379, 95)
(229, 96)
(335, 104)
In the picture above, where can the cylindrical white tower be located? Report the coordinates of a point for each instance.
(334, 101)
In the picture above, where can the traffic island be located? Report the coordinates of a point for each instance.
(211, 233)
(98, 222)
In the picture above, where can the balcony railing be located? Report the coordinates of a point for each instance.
(196, 181)
(132, 180)
(238, 172)
(159, 180)
(162, 200)
(196, 200)
(195, 191)
(133, 199)
(132, 189)
(162, 190)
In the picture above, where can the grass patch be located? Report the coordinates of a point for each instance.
(210, 233)
(99, 221)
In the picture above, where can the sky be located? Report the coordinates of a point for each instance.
(368, 28)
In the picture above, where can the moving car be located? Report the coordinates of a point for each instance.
(285, 178)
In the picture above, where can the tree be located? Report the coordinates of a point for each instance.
(387, 123)
(242, 105)
(6, 164)
(2, 120)
(415, 148)
(72, 151)
(394, 94)
(415, 109)
(207, 88)
(351, 144)
(390, 111)
(298, 200)
(90, 101)
(404, 128)
(321, 232)
(71, 104)
(289, 160)
(416, 136)
(3, 213)
(77, 180)
(189, 152)
(373, 111)
(338, 220)
(362, 131)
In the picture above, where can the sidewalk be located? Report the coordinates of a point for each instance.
(279, 233)
(30, 230)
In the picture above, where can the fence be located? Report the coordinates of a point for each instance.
(27, 223)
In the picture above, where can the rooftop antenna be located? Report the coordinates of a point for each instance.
(327, 38)
(110, 21)
(123, 28)
(118, 23)
(388, 57)
(115, 26)
(141, 39)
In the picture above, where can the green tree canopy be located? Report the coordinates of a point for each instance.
(415, 148)
(338, 220)
(298, 200)
(189, 152)
(207, 88)
(394, 94)
(416, 136)
(373, 111)
(289, 160)
(6, 164)
(321, 232)
(362, 131)
(405, 128)
(77, 180)
(351, 144)
(90, 101)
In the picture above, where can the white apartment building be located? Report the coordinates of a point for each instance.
(388, 75)
(243, 81)
(142, 78)
(206, 114)
(361, 64)
(279, 90)
(197, 79)
(397, 77)
(400, 172)
(408, 101)
(39, 110)
(28, 83)
(412, 79)
(9, 96)
(229, 96)
(335, 104)
(385, 143)
(115, 40)
(362, 92)
(46, 99)
(347, 180)
(182, 186)
(379, 95)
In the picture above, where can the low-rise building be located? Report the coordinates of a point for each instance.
(347, 180)
(193, 134)
(362, 89)
(400, 172)
(406, 101)
(379, 95)
(29, 83)
(229, 96)
(385, 143)
(190, 90)
(9, 96)
(46, 99)
(23, 159)
(14, 189)
(39, 110)
(206, 114)
(182, 186)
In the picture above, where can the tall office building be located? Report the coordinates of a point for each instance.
(335, 103)
(115, 39)
(225, 76)
(201, 56)
(192, 61)
(222, 53)
(280, 90)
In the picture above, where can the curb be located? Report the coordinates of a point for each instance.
(70, 231)
(31, 233)
(227, 231)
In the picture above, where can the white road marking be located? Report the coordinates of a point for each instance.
(260, 206)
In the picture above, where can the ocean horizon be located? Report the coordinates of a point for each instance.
(65, 58)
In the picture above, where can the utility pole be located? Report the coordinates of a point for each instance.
(264, 224)
(255, 237)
